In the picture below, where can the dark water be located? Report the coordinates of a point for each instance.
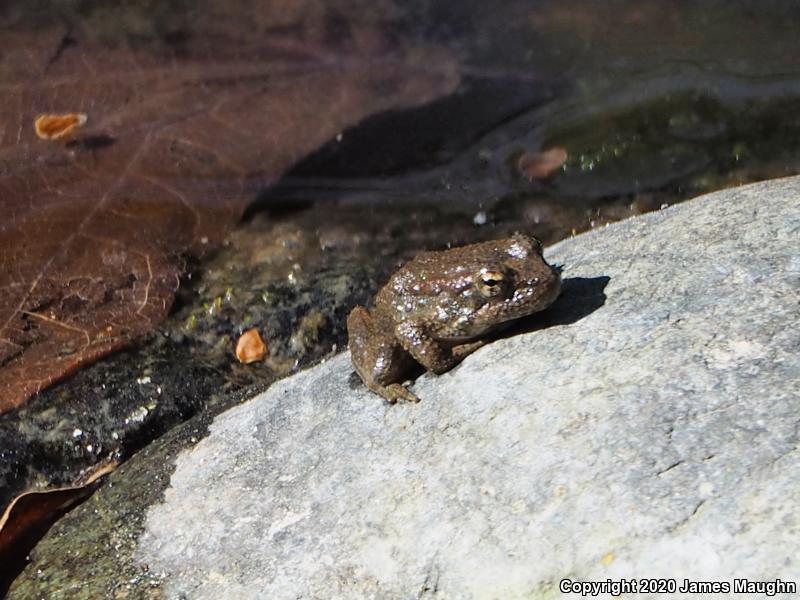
(646, 97)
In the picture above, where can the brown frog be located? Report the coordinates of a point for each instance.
(438, 308)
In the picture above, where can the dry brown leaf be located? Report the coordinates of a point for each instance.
(93, 233)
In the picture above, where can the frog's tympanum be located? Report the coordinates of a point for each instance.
(440, 306)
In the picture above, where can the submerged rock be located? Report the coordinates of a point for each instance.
(648, 427)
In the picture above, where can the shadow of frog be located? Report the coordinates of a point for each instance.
(580, 297)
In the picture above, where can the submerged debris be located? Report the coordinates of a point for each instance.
(59, 127)
(541, 165)
(250, 347)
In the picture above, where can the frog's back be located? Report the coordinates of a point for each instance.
(433, 279)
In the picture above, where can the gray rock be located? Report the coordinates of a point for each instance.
(647, 429)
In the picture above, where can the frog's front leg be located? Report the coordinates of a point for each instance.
(377, 356)
(427, 351)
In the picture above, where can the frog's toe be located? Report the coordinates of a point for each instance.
(462, 351)
(396, 391)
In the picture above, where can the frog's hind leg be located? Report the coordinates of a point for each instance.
(377, 356)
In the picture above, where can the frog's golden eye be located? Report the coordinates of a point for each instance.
(491, 283)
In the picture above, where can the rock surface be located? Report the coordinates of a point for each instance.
(647, 428)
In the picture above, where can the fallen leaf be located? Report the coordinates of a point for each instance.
(31, 514)
(250, 347)
(94, 233)
(541, 165)
(59, 127)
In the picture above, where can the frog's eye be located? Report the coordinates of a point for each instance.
(491, 283)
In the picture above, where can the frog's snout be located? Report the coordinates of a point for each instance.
(556, 287)
(557, 270)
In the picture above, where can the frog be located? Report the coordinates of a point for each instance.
(441, 306)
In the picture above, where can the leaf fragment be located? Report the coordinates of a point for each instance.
(59, 127)
(541, 165)
(250, 347)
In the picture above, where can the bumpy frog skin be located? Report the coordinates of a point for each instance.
(437, 307)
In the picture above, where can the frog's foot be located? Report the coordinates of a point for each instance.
(394, 392)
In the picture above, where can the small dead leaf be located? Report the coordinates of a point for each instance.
(250, 347)
(541, 165)
(59, 127)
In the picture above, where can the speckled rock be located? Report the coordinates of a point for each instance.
(647, 427)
